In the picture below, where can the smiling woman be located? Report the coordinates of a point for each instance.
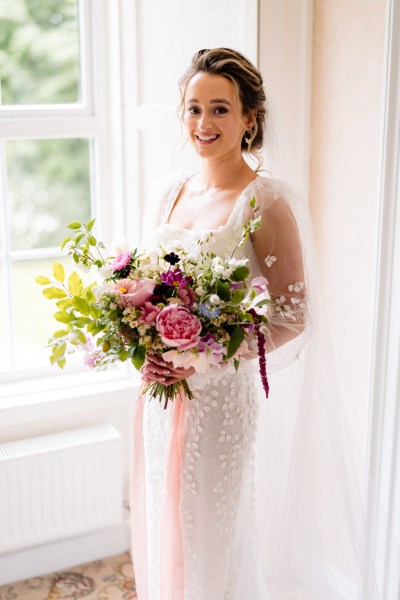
(270, 485)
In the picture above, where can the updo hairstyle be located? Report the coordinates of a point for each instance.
(247, 79)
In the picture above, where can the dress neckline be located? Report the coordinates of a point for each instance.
(174, 196)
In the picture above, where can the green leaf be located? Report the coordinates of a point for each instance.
(236, 363)
(236, 339)
(138, 354)
(92, 240)
(95, 312)
(54, 292)
(240, 273)
(59, 350)
(42, 280)
(75, 256)
(75, 284)
(77, 337)
(237, 297)
(253, 202)
(59, 272)
(74, 225)
(63, 317)
(63, 304)
(89, 226)
(223, 290)
(81, 305)
(255, 224)
(123, 354)
(60, 333)
(82, 321)
(64, 242)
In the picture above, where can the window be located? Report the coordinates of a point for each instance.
(54, 138)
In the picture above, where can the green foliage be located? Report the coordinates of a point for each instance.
(39, 58)
(240, 273)
(237, 337)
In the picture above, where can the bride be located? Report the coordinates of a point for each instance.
(235, 496)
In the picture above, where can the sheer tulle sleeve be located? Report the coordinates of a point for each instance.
(280, 252)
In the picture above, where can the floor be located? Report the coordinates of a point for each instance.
(107, 579)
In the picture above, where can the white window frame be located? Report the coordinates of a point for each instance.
(98, 115)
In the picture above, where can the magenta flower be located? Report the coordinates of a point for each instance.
(121, 260)
(149, 313)
(175, 278)
(178, 327)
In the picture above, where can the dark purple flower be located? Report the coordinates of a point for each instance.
(172, 258)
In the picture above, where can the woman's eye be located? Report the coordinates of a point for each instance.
(193, 110)
(220, 110)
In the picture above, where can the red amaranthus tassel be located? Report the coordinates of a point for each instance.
(261, 360)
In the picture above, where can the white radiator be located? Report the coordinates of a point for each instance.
(59, 486)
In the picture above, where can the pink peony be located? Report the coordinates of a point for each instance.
(133, 292)
(178, 327)
(149, 313)
(121, 261)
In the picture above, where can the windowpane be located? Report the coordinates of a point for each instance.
(48, 187)
(39, 56)
(32, 314)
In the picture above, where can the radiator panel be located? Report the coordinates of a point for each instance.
(58, 486)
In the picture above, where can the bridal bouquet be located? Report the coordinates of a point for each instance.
(195, 311)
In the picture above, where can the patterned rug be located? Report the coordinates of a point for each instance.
(107, 579)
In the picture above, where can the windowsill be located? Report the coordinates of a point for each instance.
(50, 389)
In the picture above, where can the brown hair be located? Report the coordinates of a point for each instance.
(247, 79)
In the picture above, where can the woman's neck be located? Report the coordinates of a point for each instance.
(225, 173)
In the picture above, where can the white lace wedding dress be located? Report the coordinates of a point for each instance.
(263, 500)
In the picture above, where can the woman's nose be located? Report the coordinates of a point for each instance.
(204, 121)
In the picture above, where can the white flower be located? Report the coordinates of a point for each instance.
(214, 299)
(105, 271)
(199, 290)
(269, 261)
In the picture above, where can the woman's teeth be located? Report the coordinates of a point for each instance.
(206, 138)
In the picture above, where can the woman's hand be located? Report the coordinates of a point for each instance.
(156, 368)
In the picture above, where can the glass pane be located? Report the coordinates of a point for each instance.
(39, 57)
(48, 187)
(33, 321)
(4, 350)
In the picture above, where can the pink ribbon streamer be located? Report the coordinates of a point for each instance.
(171, 549)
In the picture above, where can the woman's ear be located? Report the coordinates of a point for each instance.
(251, 119)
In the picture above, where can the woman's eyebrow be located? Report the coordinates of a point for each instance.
(214, 101)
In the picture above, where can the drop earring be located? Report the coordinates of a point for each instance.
(248, 136)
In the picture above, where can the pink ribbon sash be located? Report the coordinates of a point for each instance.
(171, 550)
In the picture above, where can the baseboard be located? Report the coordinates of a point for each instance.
(63, 554)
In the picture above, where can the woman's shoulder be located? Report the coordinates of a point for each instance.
(268, 190)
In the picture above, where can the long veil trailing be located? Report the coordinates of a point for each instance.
(311, 484)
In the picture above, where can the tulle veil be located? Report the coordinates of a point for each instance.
(311, 484)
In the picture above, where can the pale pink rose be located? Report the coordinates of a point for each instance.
(121, 260)
(178, 327)
(259, 284)
(187, 296)
(149, 313)
(133, 292)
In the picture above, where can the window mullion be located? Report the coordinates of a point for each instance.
(6, 260)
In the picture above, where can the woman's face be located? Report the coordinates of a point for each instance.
(213, 116)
